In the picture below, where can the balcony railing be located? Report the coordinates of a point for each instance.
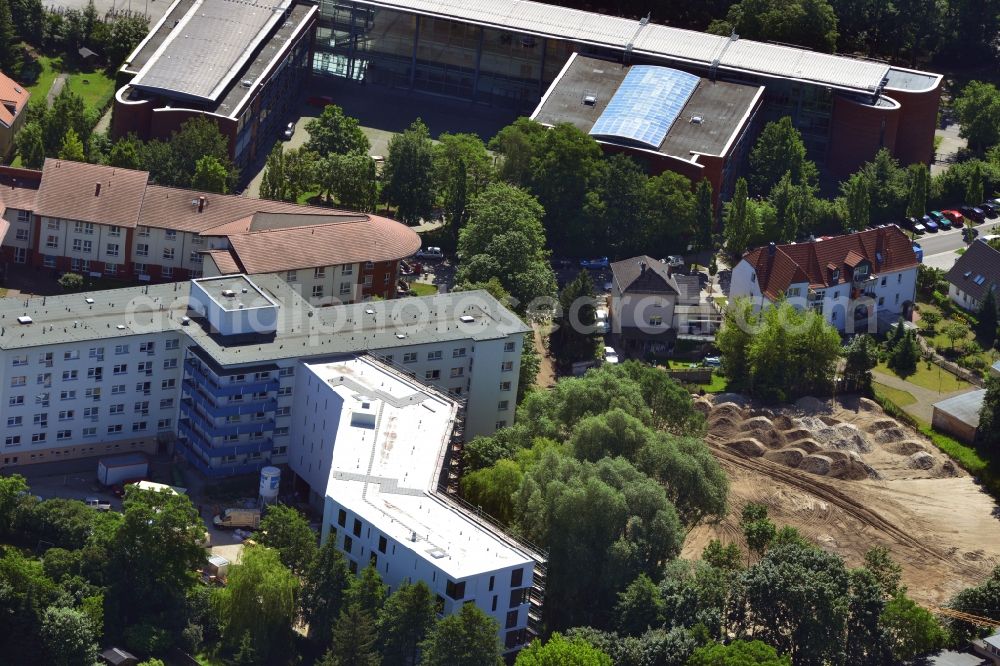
(212, 385)
(194, 392)
(212, 430)
(184, 448)
(219, 449)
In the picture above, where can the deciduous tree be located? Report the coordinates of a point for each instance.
(988, 432)
(210, 175)
(334, 133)
(738, 653)
(779, 149)
(560, 651)
(978, 110)
(323, 590)
(409, 173)
(920, 182)
(30, 145)
(737, 230)
(404, 622)
(986, 326)
(68, 637)
(287, 531)
(465, 638)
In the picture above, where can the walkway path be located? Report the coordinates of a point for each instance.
(923, 408)
(57, 85)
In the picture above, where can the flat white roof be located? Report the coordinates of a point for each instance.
(390, 444)
(656, 40)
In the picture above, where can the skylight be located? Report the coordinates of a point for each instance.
(646, 104)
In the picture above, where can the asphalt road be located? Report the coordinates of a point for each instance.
(949, 241)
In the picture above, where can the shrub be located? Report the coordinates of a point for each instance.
(71, 282)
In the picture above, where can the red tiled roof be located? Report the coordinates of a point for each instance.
(70, 190)
(224, 261)
(332, 244)
(886, 249)
(11, 95)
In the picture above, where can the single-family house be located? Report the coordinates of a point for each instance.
(976, 272)
(859, 282)
(13, 103)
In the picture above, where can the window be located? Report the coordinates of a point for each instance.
(53, 224)
(64, 434)
(97, 374)
(140, 269)
(38, 437)
(22, 234)
(386, 279)
(342, 518)
(84, 228)
(368, 280)
(110, 268)
(504, 386)
(23, 216)
(457, 372)
(172, 344)
(278, 432)
(897, 299)
(112, 429)
(319, 272)
(347, 270)
(114, 232)
(14, 421)
(121, 349)
(13, 440)
(434, 356)
(167, 272)
(42, 399)
(369, 265)
(90, 432)
(283, 411)
(121, 369)
(345, 288)
(195, 257)
(142, 249)
(357, 527)
(292, 276)
(142, 231)
(147, 347)
(285, 390)
(53, 242)
(112, 249)
(317, 291)
(93, 394)
(503, 405)
(511, 619)
(117, 409)
(141, 407)
(348, 544)
(69, 375)
(382, 544)
(506, 366)
(170, 234)
(91, 412)
(882, 284)
(67, 395)
(508, 346)
(517, 577)
(656, 320)
(169, 364)
(881, 300)
(42, 420)
(139, 426)
(96, 352)
(66, 415)
(16, 400)
(44, 379)
(118, 389)
(48, 261)
(20, 380)
(168, 253)
(286, 372)
(20, 360)
(432, 374)
(455, 590)
(899, 278)
(144, 388)
(410, 357)
(458, 353)
(166, 403)
(146, 368)
(163, 424)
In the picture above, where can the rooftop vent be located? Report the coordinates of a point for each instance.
(369, 311)
(590, 100)
(120, 327)
(697, 120)
(437, 553)
(467, 319)
(246, 83)
(88, 301)
(185, 321)
(24, 320)
(401, 336)
(228, 293)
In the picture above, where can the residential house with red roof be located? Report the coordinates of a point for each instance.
(13, 102)
(860, 282)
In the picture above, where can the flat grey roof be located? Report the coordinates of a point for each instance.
(157, 35)
(738, 55)
(247, 295)
(911, 79)
(964, 407)
(721, 106)
(303, 331)
(208, 47)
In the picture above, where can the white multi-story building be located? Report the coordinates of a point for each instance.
(859, 282)
(371, 444)
(214, 375)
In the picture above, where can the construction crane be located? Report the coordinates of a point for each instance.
(965, 617)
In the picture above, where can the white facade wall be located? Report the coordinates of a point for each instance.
(651, 313)
(962, 299)
(326, 285)
(85, 415)
(21, 235)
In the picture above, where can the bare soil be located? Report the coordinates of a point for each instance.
(849, 478)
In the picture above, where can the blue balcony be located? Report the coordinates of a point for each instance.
(194, 393)
(218, 449)
(222, 470)
(213, 386)
(212, 430)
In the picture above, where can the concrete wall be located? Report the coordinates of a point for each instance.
(953, 426)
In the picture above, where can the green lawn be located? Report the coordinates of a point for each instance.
(423, 289)
(901, 398)
(934, 379)
(719, 384)
(95, 87)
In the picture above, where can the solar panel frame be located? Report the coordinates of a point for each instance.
(646, 105)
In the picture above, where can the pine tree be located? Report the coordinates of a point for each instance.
(8, 44)
(72, 147)
(986, 329)
(738, 231)
(989, 415)
(354, 639)
(858, 203)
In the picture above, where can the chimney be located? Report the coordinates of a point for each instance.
(642, 266)
(201, 204)
(771, 248)
(97, 189)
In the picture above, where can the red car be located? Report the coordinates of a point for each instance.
(955, 217)
(319, 100)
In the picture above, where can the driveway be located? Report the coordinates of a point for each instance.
(923, 408)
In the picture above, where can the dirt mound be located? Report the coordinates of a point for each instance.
(782, 422)
(748, 447)
(757, 423)
(905, 448)
(702, 406)
(795, 434)
(829, 420)
(788, 457)
(921, 460)
(811, 405)
(807, 445)
(866, 405)
(890, 435)
(816, 464)
(730, 409)
(881, 424)
(948, 469)
(844, 436)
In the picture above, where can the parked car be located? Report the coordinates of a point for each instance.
(936, 215)
(601, 320)
(99, 504)
(991, 210)
(712, 362)
(932, 226)
(289, 131)
(921, 225)
(429, 253)
(319, 100)
(610, 355)
(973, 213)
(600, 262)
(953, 216)
(674, 261)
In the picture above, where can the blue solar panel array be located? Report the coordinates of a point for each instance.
(646, 104)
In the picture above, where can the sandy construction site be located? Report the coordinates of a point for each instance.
(848, 477)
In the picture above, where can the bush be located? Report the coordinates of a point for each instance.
(71, 282)
(147, 639)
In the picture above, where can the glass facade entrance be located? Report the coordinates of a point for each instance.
(406, 51)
